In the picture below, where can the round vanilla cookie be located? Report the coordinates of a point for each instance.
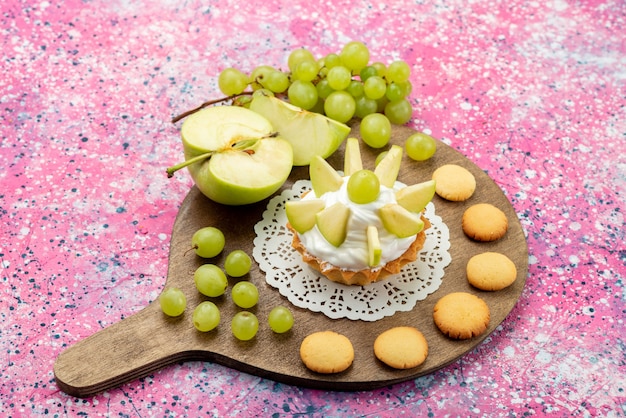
(454, 183)
(461, 315)
(326, 352)
(484, 222)
(491, 271)
(401, 347)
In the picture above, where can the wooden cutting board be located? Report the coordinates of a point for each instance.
(148, 340)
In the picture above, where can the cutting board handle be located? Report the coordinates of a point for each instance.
(126, 350)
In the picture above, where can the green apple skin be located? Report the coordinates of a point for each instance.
(309, 133)
(235, 176)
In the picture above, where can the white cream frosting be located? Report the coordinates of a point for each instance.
(353, 253)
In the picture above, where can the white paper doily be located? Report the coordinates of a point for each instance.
(306, 288)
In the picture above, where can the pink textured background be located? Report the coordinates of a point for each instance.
(533, 92)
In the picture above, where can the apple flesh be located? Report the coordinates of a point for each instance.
(310, 134)
(389, 167)
(301, 214)
(352, 157)
(234, 155)
(374, 250)
(400, 221)
(332, 222)
(416, 196)
(323, 176)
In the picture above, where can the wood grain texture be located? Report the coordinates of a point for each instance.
(147, 340)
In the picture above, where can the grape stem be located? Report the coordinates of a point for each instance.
(206, 104)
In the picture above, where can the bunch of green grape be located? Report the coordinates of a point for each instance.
(340, 85)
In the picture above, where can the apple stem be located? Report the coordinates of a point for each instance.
(171, 170)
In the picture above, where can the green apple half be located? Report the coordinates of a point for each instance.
(309, 133)
(234, 155)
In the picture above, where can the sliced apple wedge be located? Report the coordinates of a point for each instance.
(333, 223)
(416, 196)
(301, 214)
(352, 157)
(234, 155)
(324, 178)
(389, 167)
(309, 133)
(399, 221)
(374, 248)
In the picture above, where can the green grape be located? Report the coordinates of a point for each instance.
(242, 101)
(232, 81)
(244, 325)
(319, 107)
(245, 294)
(381, 69)
(237, 263)
(398, 72)
(375, 87)
(339, 77)
(210, 280)
(355, 88)
(355, 55)
(380, 157)
(206, 316)
(280, 319)
(332, 60)
(381, 103)
(367, 72)
(375, 130)
(363, 187)
(406, 87)
(394, 92)
(399, 112)
(365, 106)
(323, 89)
(276, 81)
(306, 71)
(259, 74)
(302, 94)
(173, 301)
(420, 147)
(297, 56)
(340, 106)
(208, 242)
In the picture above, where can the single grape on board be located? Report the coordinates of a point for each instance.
(237, 263)
(244, 325)
(206, 316)
(420, 146)
(208, 241)
(173, 301)
(210, 280)
(280, 319)
(245, 294)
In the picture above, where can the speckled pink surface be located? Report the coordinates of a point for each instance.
(532, 92)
